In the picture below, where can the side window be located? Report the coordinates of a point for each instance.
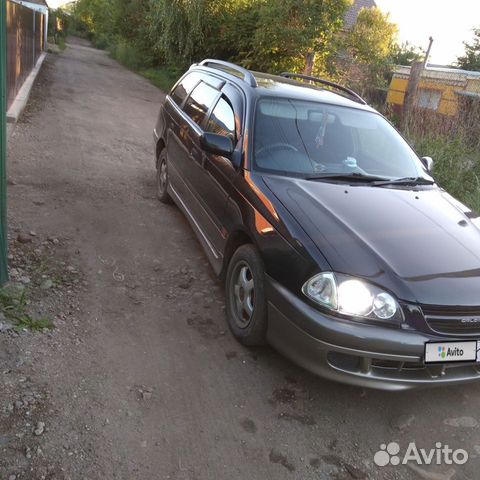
(181, 91)
(222, 119)
(199, 102)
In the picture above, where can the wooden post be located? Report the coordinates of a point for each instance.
(411, 94)
(3, 142)
(309, 63)
(429, 49)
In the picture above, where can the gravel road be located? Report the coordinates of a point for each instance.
(155, 387)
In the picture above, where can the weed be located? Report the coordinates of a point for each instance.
(14, 305)
(452, 144)
(25, 322)
(61, 43)
(457, 168)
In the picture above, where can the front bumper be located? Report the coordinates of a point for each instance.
(355, 353)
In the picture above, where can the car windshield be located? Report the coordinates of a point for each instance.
(308, 139)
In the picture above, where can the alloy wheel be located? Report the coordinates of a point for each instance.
(162, 178)
(242, 291)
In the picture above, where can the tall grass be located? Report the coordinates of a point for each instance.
(457, 167)
(453, 144)
(163, 76)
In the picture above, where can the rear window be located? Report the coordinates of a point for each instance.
(182, 90)
(200, 101)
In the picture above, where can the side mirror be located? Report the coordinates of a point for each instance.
(428, 162)
(217, 144)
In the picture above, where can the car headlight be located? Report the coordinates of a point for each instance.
(352, 297)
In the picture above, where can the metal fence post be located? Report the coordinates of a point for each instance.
(3, 142)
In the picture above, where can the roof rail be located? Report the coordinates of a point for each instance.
(353, 94)
(247, 76)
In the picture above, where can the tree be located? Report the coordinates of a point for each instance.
(406, 54)
(367, 50)
(471, 59)
(269, 35)
(373, 38)
(290, 31)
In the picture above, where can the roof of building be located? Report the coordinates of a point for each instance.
(440, 73)
(473, 95)
(354, 10)
(38, 2)
(37, 5)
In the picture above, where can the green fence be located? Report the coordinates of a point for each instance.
(3, 144)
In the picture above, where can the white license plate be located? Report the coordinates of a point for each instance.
(442, 352)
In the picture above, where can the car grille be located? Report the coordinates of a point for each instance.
(453, 320)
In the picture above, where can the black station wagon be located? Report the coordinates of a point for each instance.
(334, 241)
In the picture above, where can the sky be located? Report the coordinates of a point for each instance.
(449, 22)
(55, 3)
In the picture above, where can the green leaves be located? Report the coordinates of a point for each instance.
(406, 54)
(471, 59)
(260, 34)
(285, 32)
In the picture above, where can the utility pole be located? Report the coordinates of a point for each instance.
(427, 54)
(3, 142)
(413, 82)
(411, 94)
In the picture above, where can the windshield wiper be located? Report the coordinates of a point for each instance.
(405, 181)
(355, 176)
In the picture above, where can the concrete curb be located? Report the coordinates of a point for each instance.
(23, 94)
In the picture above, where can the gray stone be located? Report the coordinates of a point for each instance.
(24, 238)
(46, 284)
(403, 421)
(465, 422)
(40, 428)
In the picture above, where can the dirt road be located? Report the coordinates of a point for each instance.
(145, 380)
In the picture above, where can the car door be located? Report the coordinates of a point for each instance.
(218, 170)
(176, 131)
(186, 158)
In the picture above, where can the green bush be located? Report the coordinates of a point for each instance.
(100, 41)
(127, 54)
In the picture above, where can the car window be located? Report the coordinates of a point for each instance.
(222, 119)
(199, 102)
(305, 138)
(181, 91)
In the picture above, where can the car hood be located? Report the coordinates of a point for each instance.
(420, 243)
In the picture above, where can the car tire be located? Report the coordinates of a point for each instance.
(246, 300)
(162, 178)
